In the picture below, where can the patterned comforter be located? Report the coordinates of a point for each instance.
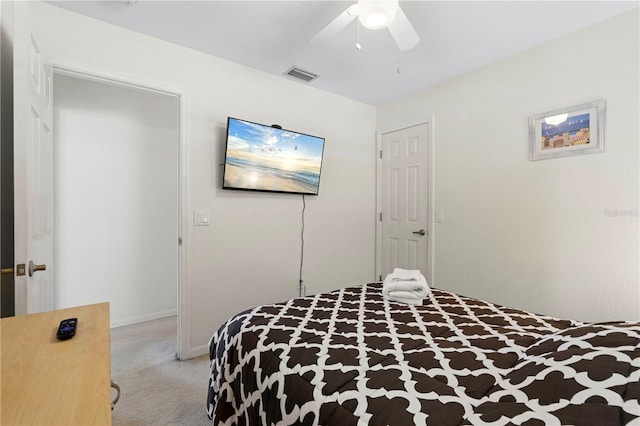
(350, 358)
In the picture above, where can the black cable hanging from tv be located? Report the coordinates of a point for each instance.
(301, 287)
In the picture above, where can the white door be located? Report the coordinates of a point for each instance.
(33, 169)
(404, 199)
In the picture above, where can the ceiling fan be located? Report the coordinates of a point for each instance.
(374, 15)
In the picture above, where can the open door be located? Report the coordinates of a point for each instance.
(33, 168)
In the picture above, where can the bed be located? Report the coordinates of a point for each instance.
(349, 357)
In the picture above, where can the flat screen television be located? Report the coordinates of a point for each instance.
(267, 158)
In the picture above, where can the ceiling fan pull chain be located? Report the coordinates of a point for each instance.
(358, 45)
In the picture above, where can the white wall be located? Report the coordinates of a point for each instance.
(115, 199)
(250, 254)
(540, 235)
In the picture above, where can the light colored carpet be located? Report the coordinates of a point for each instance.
(156, 388)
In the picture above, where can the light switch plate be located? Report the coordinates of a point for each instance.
(201, 218)
(439, 216)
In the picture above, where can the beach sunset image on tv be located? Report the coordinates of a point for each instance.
(265, 158)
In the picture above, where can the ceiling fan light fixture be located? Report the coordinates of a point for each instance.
(377, 14)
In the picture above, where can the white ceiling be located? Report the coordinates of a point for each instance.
(456, 36)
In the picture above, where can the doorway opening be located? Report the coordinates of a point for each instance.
(117, 198)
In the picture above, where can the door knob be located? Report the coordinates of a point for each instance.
(420, 232)
(35, 268)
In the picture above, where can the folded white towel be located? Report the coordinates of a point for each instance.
(406, 280)
(406, 286)
(416, 287)
(406, 297)
(400, 274)
(401, 294)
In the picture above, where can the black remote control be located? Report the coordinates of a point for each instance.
(67, 328)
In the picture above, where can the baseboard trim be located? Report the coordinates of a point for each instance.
(196, 352)
(142, 318)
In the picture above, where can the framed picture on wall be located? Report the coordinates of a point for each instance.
(568, 131)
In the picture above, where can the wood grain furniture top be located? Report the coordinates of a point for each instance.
(46, 381)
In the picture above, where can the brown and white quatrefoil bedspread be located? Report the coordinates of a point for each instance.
(350, 358)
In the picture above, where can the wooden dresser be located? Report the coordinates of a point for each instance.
(46, 381)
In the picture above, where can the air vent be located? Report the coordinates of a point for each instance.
(301, 74)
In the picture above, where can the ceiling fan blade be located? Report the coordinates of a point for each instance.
(403, 32)
(337, 25)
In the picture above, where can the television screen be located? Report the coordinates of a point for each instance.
(265, 158)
